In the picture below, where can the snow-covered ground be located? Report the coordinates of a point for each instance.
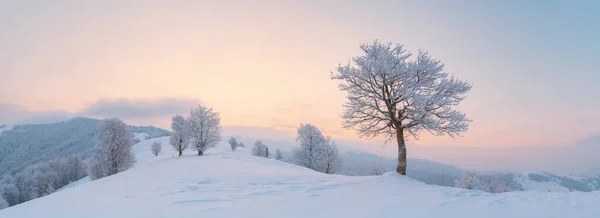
(234, 184)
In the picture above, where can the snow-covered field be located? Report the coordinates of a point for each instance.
(234, 184)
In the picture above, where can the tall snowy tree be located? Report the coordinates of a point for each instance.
(156, 148)
(205, 128)
(180, 137)
(333, 162)
(390, 95)
(112, 153)
(233, 143)
(260, 149)
(311, 153)
(278, 155)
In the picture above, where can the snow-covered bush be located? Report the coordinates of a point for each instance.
(260, 150)
(377, 170)
(180, 137)
(278, 155)
(204, 128)
(156, 148)
(233, 143)
(112, 153)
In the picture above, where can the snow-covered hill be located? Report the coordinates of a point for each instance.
(27, 144)
(235, 184)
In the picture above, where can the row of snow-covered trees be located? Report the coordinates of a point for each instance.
(316, 151)
(40, 180)
(496, 184)
(200, 130)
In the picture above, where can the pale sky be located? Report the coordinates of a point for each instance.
(533, 66)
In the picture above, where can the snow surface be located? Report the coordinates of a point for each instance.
(235, 184)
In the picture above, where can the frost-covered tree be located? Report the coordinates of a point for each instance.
(3, 203)
(156, 148)
(469, 181)
(9, 190)
(278, 155)
(391, 95)
(233, 143)
(241, 144)
(260, 149)
(333, 162)
(180, 137)
(112, 153)
(26, 184)
(205, 128)
(311, 153)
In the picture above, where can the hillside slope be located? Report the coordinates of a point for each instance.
(28, 144)
(235, 184)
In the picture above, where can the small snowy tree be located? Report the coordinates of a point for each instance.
(156, 148)
(469, 181)
(311, 153)
(112, 153)
(333, 162)
(278, 155)
(180, 137)
(233, 143)
(260, 149)
(205, 128)
(392, 96)
(241, 144)
(3, 203)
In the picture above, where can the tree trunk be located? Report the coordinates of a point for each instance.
(401, 167)
(200, 152)
(179, 152)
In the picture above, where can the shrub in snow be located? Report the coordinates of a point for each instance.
(233, 143)
(112, 153)
(377, 171)
(241, 144)
(390, 95)
(260, 150)
(278, 155)
(180, 137)
(136, 140)
(205, 128)
(156, 148)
